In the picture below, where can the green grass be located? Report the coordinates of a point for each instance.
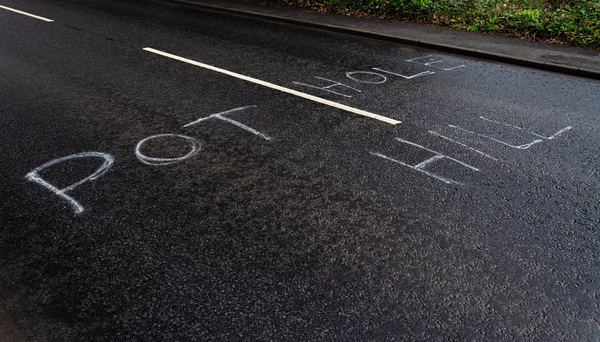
(575, 22)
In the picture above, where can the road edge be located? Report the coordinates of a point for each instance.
(530, 63)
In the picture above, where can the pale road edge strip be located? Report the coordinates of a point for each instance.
(27, 14)
(277, 87)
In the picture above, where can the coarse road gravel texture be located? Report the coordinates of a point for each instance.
(338, 227)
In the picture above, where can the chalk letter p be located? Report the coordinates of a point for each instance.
(62, 193)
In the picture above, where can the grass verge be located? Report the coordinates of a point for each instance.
(575, 22)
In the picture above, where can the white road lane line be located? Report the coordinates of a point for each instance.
(27, 14)
(277, 87)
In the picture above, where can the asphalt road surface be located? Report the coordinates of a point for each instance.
(175, 175)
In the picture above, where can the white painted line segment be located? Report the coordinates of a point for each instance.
(277, 87)
(27, 14)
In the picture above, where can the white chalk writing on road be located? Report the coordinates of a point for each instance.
(463, 145)
(353, 76)
(34, 176)
(406, 77)
(431, 61)
(421, 166)
(568, 128)
(277, 87)
(438, 156)
(520, 147)
(369, 77)
(327, 88)
(221, 116)
(195, 148)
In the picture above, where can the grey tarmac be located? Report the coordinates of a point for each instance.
(241, 191)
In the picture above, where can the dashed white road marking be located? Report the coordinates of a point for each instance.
(27, 14)
(277, 87)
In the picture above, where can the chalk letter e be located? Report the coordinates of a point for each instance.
(34, 176)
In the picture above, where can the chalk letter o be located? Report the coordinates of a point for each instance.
(349, 74)
(166, 161)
